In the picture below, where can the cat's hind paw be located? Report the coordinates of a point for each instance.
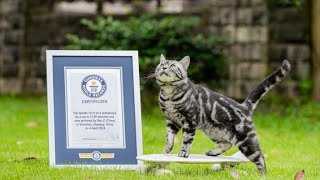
(183, 154)
(212, 153)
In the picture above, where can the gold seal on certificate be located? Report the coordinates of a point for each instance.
(94, 107)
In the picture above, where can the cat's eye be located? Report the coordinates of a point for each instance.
(172, 66)
(161, 65)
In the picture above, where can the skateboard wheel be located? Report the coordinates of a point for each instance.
(143, 169)
(160, 172)
(216, 167)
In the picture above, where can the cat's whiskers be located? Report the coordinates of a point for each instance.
(150, 76)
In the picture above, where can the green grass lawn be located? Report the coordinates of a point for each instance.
(290, 140)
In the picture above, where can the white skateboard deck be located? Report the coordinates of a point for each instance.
(158, 162)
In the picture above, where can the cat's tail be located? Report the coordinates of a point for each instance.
(252, 100)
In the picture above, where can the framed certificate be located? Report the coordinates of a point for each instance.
(94, 108)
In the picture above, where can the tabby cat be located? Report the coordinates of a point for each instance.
(189, 106)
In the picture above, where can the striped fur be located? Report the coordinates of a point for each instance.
(252, 100)
(191, 107)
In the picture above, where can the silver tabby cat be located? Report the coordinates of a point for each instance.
(189, 107)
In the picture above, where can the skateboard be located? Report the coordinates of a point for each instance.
(156, 163)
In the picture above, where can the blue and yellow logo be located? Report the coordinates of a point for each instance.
(93, 86)
(96, 155)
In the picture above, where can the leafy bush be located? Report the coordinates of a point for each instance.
(173, 36)
(296, 3)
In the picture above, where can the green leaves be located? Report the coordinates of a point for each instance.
(296, 3)
(171, 35)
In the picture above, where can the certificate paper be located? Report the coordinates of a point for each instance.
(94, 107)
(94, 114)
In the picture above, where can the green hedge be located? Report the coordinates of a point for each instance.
(174, 36)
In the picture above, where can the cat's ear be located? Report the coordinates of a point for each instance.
(162, 58)
(185, 62)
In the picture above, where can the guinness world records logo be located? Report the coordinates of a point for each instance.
(96, 155)
(93, 86)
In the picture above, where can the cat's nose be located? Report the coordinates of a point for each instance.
(164, 68)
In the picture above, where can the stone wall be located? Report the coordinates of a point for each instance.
(260, 35)
(288, 39)
(245, 24)
(11, 42)
(45, 32)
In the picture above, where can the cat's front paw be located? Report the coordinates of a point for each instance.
(167, 149)
(183, 153)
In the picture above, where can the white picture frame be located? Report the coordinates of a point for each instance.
(54, 60)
